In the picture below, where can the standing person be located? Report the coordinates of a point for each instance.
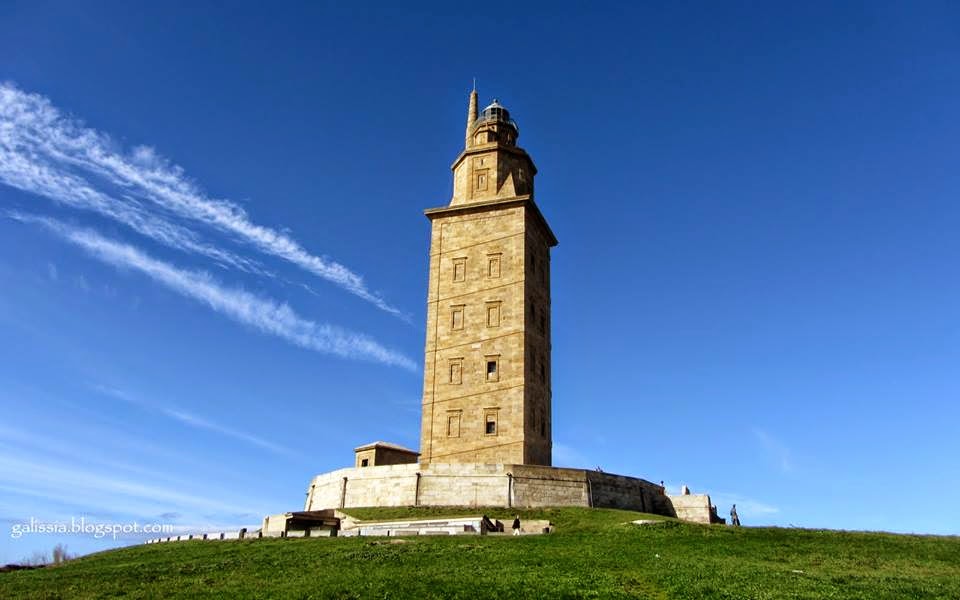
(516, 525)
(734, 517)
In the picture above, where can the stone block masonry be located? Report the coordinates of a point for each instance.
(486, 386)
(500, 485)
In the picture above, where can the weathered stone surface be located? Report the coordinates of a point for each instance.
(465, 484)
(383, 453)
(486, 391)
(692, 507)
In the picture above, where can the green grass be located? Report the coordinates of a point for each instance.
(592, 554)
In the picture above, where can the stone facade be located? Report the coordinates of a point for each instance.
(486, 392)
(483, 485)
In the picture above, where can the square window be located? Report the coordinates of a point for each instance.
(365, 462)
(493, 265)
(456, 317)
(493, 314)
(460, 269)
(456, 370)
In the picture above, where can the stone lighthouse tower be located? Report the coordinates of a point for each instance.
(486, 388)
(485, 436)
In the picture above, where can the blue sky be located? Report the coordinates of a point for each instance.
(213, 254)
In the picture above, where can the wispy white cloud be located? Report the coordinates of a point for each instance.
(35, 469)
(750, 510)
(24, 169)
(113, 493)
(39, 146)
(568, 456)
(244, 307)
(198, 423)
(195, 421)
(756, 512)
(775, 449)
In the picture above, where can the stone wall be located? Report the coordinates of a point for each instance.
(548, 486)
(693, 507)
(454, 484)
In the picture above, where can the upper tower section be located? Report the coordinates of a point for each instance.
(491, 166)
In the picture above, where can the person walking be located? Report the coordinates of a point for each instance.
(516, 525)
(734, 517)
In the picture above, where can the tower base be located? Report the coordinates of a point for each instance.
(501, 485)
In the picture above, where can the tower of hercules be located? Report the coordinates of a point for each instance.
(486, 388)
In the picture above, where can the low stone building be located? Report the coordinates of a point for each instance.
(309, 523)
(383, 453)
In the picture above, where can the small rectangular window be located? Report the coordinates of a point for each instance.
(453, 424)
(493, 314)
(493, 265)
(365, 462)
(456, 370)
(456, 317)
(493, 368)
(490, 421)
(460, 269)
(481, 180)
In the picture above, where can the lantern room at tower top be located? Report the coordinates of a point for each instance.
(491, 165)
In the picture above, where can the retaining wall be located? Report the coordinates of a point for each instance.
(447, 484)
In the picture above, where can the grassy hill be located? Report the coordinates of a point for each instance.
(593, 554)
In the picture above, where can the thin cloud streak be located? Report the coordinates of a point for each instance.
(194, 421)
(260, 313)
(38, 478)
(198, 423)
(775, 449)
(32, 129)
(31, 174)
(759, 512)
